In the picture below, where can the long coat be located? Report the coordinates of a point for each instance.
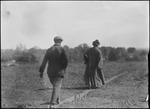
(94, 65)
(57, 61)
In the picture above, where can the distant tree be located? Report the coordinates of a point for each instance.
(83, 48)
(20, 47)
(34, 54)
(68, 52)
(144, 54)
(112, 55)
(71, 55)
(66, 47)
(136, 56)
(22, 54)
(77, 54)
(131, 50)
(7, 55)
(106, 51)
(120, 53)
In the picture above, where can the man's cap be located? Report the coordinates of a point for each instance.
(58, 38)
(96, 42)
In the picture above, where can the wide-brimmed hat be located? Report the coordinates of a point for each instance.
(58, 38)
(96, 42)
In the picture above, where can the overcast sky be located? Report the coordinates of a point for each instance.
(113, 23)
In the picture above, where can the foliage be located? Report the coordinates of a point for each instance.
(7, 55)
(106, 52)
(76, 54)
(35, 54)
(131, 50)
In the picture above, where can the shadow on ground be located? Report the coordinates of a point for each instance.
(46, 103)
(43, 89)
(75, 88)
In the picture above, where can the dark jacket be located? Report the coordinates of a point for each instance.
(57, 61)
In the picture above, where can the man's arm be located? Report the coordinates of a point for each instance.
(64, 59)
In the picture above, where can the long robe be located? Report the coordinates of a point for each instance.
(94, 67)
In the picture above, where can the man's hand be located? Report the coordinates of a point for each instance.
(41, 75)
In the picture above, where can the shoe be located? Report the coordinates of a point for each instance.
(103, 83)
(52, 106)
(58, 100)
(94, 87)
(89, 87)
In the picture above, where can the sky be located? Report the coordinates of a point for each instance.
(113, 23)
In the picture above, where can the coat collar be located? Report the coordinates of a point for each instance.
(95, 47)
(57, 44)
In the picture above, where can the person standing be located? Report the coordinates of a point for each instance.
(57, 64)
(94, 66)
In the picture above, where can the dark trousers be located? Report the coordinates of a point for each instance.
(56, 83)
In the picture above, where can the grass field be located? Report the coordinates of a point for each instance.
(21, 85)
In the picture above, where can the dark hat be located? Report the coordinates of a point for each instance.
(96, 43)
(58, 38)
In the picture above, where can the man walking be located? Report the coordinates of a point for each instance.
(57, 63)
(94, 66)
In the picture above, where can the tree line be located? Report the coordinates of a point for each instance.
(35, 54)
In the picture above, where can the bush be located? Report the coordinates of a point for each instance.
(7, 55)
(25, 56)
(35, 54)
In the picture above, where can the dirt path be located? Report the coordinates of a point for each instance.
(126, 91)
(83, 95)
